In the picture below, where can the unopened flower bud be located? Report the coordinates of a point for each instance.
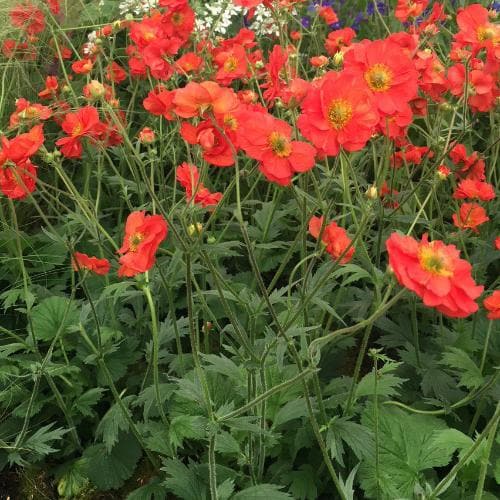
(211, 240)
(445, 106)
(194, 229)
(372, 192)
(338, 58)
(259, 64)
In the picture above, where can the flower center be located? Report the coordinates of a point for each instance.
(485, 33)
(177, 18)
(379, 78)
(134, 241)
(231, 64)
(434, 261)
(231, 122)
(77, 130)
(339, 113)
(280, 145)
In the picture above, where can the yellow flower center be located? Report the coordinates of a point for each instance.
(379, 78)
(231, 64)
(134, 241)
(434, 261)
(77, 130)
(231, 122)
(339, 113)
(280, 145)
(485, 33)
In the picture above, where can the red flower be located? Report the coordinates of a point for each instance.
(318, 61)
(471, 167)
(492, 304)
(411, 155)
(147, 136)
(50, 90)
(27, 112)
(21, 147)
(328, 15)
(196, 99)
(480, 87)
(83, 66)
(268, 140)
(497, 242)
(85, 122)
(474, 189)
(154, 57)
(334, 237)
(54, 6)
(17, 180)
(17, 173)
(387, 71)
(189, 62)
(435, 272)
(216, 149)
(470, 216)
(409, 9)
(115, 73)
(476, 29)
(338, 39)
(82, 261)
(159, 102)
(143, 236)
(231, 63)
(28, 17)
(338, 112)
(189, 178)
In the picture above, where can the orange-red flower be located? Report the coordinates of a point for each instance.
(84, 122)
(474, 189)
(17, 173)
(480, 87)
(387, 72)
(435, 272)
(196, 99)
(269, 140)
(476, 29)
(115, 73)
(338, 112)
(189, 178)
(470, 167)
(409, 9)
(51, 88)
(159, 102)
(470, 216)
(492, 305)
(28, 17)
(337, 242)
(338, 39)
(83, 66)
(82, 261)
(143, 235)
(231, 63)
(146, 135)
(27, 112)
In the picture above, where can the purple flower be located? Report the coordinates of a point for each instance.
(306, 22)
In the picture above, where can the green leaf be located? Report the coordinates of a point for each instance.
(470, 375)
(83, 404)
(110, 470)
(53, 315)
(262, 492)
(388, 384)
(40, 443)
(408, 445)
(112, 423)
(296, 408)
(186, 426)
(154, 490)
(183, 481)
(225, 489)
(304, 483)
